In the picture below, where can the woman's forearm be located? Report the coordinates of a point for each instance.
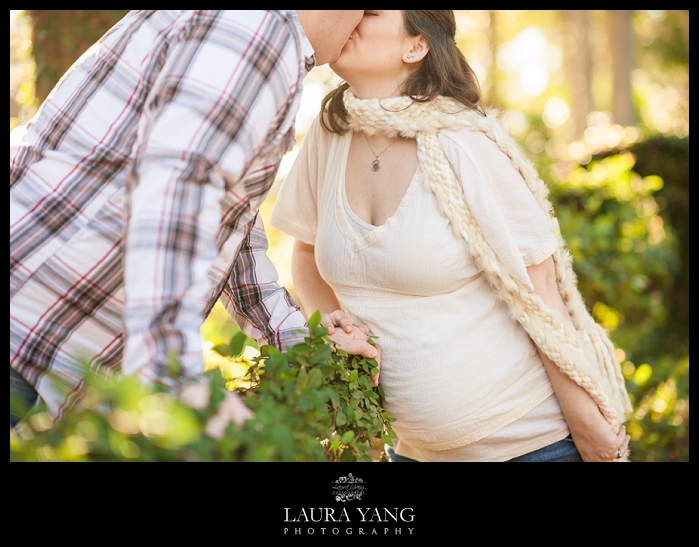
(575, 402)
(592, 434)
(314, 293)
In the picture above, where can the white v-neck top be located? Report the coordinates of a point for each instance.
(462, 378)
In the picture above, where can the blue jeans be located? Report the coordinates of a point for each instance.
(561, 451)
(22, 398)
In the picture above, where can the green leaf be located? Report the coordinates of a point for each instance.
(347, 437)
(304, 404)
(348, 456)
(269, 350)
(302, 378)
(319, 335)
(299, 350)
(314, 320)
(315, 378)
(234, 347)
(323, 353)
(276, 363)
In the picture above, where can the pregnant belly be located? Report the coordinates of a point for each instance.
(453, 366)
(442, 397)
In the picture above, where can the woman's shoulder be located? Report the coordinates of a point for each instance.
(468, 136)
(470, 145)
(482, 137)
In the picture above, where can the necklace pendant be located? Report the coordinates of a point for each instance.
(375, 165)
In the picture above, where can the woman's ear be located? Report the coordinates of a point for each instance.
(417, 52)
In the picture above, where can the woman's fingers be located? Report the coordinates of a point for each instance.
(624, 440)
(344, 322)
(625, 446)
(354, 346)
(340, 319)
(352, 340)
(326, 321)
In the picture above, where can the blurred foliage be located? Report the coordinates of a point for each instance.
(630, 250)
(668, 157)
(23, 102)
(312, 403)
(55, 52)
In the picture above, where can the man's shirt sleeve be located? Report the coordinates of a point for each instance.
(218, 98)
(264, 310)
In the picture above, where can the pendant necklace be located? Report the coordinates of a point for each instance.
(376, 164)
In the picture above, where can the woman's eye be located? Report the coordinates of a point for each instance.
(369, 13)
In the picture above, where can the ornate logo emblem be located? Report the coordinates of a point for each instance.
(348, 488)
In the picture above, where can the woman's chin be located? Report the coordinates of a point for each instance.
(338, 67)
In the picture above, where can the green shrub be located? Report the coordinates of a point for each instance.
(625, 222)
(312, 403)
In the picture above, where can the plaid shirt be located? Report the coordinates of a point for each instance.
(134, 194)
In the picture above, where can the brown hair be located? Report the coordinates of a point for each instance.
(444, 70)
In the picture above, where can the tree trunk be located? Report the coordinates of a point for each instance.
(579, 67)
(59, 37)
(622, 52)
(492, 96)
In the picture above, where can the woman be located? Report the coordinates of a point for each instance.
(415, 214)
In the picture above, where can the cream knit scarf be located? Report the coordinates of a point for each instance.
(583, 351)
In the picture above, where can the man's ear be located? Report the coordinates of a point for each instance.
(417, 52)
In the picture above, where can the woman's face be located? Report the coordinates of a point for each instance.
(375, 48)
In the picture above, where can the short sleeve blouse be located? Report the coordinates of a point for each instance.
(462, 378)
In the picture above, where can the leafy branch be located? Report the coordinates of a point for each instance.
(313, 402)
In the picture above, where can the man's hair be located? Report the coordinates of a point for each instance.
(444, 70)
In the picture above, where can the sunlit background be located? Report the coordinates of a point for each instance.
(581, 91)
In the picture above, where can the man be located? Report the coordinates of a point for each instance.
(134, 195)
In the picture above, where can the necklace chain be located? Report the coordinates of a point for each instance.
(376, 164)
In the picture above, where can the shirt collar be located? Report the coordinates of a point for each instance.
(306, 47)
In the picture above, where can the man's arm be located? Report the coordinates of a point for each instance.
(263, 309)
(209, 111)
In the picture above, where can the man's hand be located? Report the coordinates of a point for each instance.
(231, 409)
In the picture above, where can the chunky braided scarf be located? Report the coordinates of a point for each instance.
(583, 350)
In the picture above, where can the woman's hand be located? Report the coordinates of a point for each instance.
(338, 318)
(357, 343)
(352, 339)
(598, 443)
